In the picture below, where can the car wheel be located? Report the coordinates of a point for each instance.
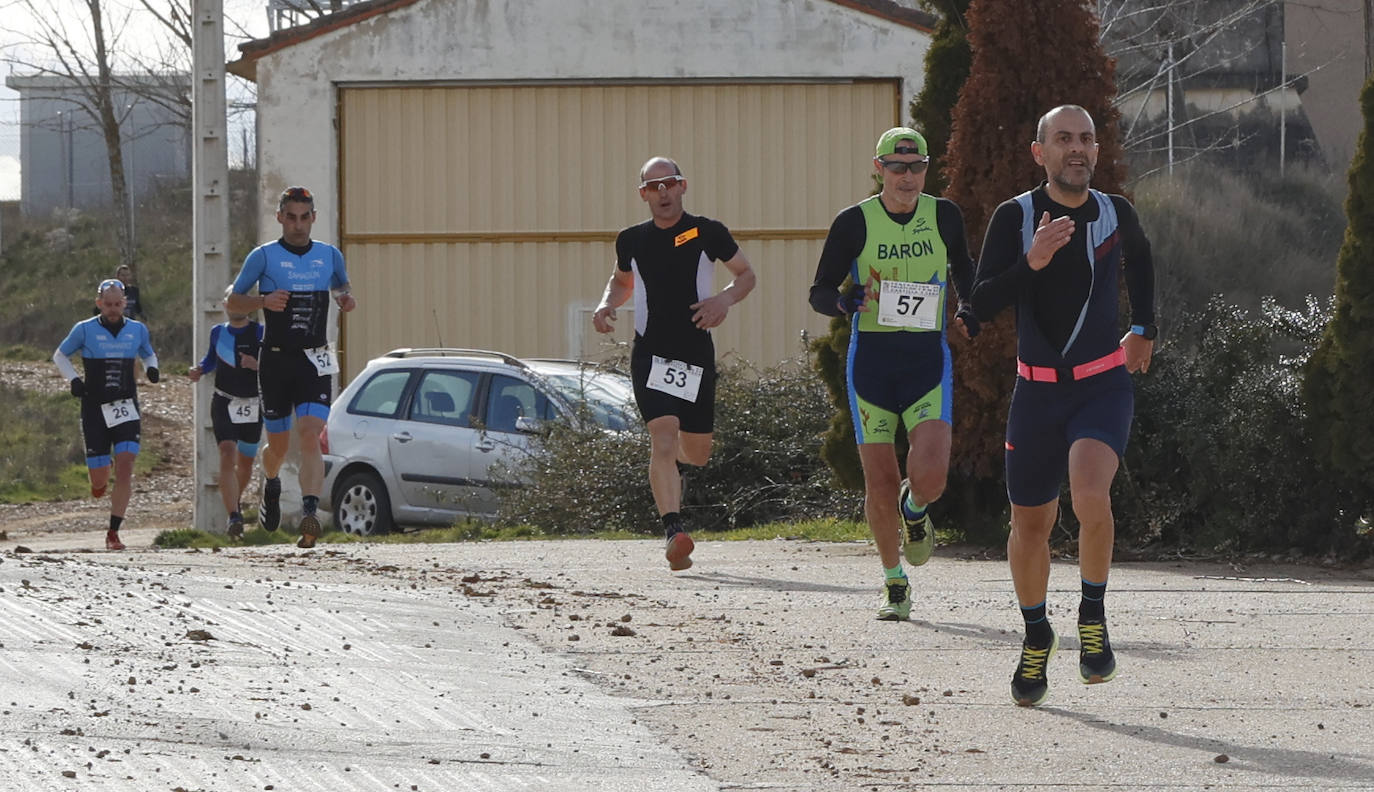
(361, 505)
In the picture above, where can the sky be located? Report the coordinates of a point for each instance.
(16, 31)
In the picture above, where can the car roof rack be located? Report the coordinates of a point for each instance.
(409, 352)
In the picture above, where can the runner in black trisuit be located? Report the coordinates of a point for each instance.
(665, 263)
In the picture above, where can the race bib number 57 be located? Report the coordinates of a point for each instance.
(903, 304)
(675, 378)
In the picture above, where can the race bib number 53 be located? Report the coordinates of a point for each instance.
(118, 412)
(675, 378)
(902, 304)
(323, 359)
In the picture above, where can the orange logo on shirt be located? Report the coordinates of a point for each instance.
(684, 237)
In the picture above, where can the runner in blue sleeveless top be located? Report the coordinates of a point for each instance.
(294, 277)
(110, 422)
(1055, 253)
(666, 263)
(235, 406)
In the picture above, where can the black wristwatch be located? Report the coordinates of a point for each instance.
(1148, 331)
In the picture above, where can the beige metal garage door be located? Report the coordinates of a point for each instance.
(485, 216)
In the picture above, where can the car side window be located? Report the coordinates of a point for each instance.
(445, 397)
(381, 395)
(511, 398)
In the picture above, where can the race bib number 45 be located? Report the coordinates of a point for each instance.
(902, 304)
(323, 359)
(675, 378)
(243, 410)
(118, 412)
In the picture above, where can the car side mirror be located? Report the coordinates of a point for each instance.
(526, 425)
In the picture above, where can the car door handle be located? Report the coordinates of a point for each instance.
(485, 444)
(402, 437)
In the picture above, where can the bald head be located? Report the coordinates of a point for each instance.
(1047, 121)
(658, 164)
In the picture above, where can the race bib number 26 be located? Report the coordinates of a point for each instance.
(675, 378)
(903, 304)
(118, 412)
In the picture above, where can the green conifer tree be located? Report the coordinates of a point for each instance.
(1338, 375)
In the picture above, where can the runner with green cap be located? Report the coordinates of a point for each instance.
(899, 250)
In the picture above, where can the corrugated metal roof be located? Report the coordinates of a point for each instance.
(247, 65)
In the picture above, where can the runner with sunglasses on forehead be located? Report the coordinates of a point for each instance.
(898, 249)
(296, 278)
(110, 422)
(666, 264)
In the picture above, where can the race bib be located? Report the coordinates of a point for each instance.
(323, 359)
(675, 378)
(903, 304)
(243, 410)
(118, 412)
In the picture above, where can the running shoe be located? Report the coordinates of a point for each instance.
(310, 531)
(1029, 686)
(98, 493)
(1096, 660)
(920, 533)
(896, 601)
(112, 541)
(270, 514)
(679, 551)
(235, 529)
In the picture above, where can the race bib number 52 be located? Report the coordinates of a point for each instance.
(675, 378)
(903, 304)
(323, 359)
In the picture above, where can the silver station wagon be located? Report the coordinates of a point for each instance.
(427, 436)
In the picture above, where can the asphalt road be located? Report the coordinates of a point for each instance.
(585, 665)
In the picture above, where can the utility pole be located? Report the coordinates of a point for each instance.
(210, 234)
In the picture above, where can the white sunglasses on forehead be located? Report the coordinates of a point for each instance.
(662, 183)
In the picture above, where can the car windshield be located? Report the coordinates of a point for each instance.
(607, 397)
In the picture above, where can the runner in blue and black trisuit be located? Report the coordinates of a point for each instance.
(899, 249)
(234, 408)
(294, 277)
(666, 263)
(110, 421)
(1055, 253)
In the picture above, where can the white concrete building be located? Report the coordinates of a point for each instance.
(475, 158)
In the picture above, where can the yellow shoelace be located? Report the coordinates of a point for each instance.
(1091, 636)
(1033, 662)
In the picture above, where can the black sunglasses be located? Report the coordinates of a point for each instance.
(919, 166)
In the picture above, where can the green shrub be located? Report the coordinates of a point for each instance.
(1220, 458)
(766, 465)
(41, 440)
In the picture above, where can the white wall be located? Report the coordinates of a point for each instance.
(521, 40)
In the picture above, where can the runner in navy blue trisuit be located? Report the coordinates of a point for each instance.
(1055, 253)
